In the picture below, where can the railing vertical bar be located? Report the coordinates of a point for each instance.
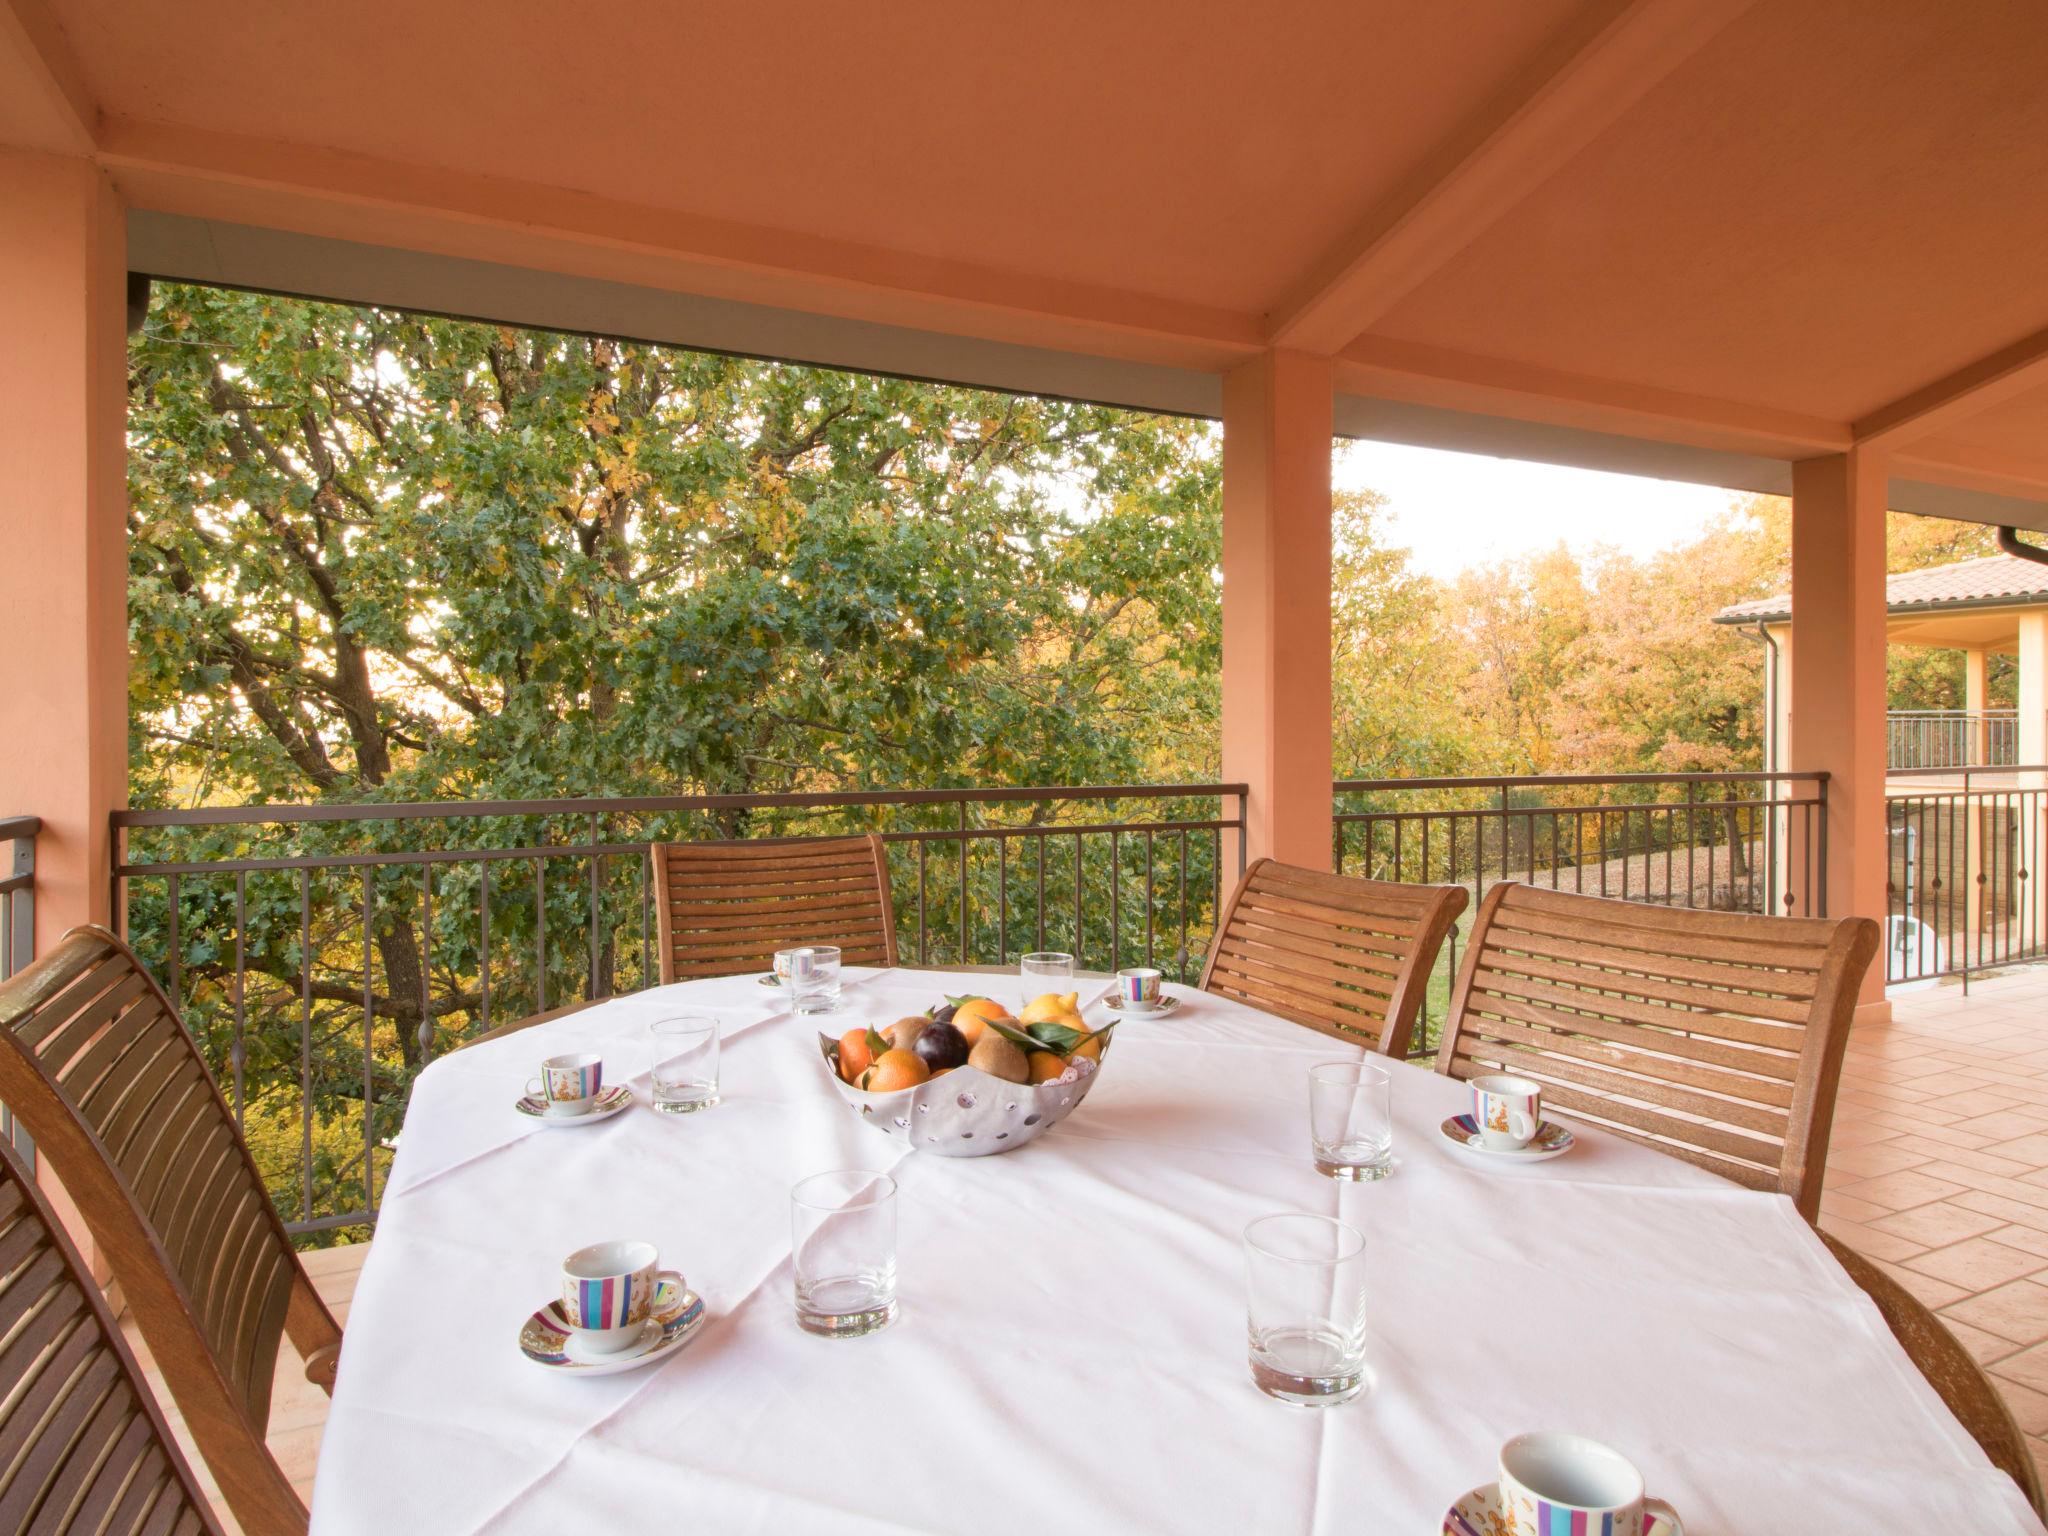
(966, 928)
(923, 931)
(369, 1045)
(1149, 960)
(1040, 840)
(425, 1034)
(1116, 882)
(1080, 937)
(306, 1044)
(238, 1051)
(1002, 901)
(1183, 906)
(483, 952)
(174, 963)
(596, 878)
(540, 935)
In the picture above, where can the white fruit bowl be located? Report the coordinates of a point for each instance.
(967, 1113)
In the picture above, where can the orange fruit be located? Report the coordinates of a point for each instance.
(1090, 1047)
(971, 1017)
(1046, 1065)
(895, 1069)
(854, 1056)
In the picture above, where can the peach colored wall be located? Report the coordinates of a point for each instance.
(63, 498)
(1276, 602)
(1838, 671)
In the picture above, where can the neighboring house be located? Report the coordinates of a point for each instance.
(1969, 802)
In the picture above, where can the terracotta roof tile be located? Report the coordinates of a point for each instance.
(1989, 579)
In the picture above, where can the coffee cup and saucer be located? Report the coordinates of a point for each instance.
(1560, 1482)
(1138, 993)
(618, 1311)
(1506, 1121)
(570, 1091)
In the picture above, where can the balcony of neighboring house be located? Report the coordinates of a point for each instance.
(1966, 790)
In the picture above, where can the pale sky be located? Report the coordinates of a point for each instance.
(1455, 510)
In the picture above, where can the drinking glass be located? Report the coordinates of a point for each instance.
(813, 976)
(683, 1070)
(843, 1229)
(1305, 1308)
(1046, 971)
(1350, 1119)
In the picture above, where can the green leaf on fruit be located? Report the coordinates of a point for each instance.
(1057, 1037)
(1016, 1036)
(876, 1044)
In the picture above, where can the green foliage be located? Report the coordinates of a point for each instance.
(380, 557)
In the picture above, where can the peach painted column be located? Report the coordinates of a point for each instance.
(63, 499)
(1276, 603)
(1977, 744)
(1838, 676)
(2031, 921)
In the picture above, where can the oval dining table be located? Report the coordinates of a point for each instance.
(1070, 1355)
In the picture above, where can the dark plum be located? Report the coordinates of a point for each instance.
(940, 1046)
(942, 1013)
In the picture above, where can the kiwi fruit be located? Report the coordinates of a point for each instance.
(1000, 1058)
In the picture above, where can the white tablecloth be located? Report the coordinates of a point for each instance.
(1071, 1353)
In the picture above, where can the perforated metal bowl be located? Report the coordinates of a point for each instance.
(967, 1113)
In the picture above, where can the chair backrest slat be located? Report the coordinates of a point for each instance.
(1716, 1037)
(725, 908)
(83, 1445)
(1348, 957)
(96, 1064)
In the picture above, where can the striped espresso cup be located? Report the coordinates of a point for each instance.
(1554, 1484)
(607, 1289)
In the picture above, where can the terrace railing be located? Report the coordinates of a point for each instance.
(1951, 738)
(1966, 890)
(1742, 842)
(324, 953)
(18, 893)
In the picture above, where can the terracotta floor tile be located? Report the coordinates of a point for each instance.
(2029, 1407)
(2006, 1122)
(1977, 1263)
(1846, 1207)
(2018, 1311)
(1934, 1225)
(1998, 1205)
(1872, 1243)
(1966, 1157)
(2028, 1367)
(2033, 1239)
(1870, 1161)
(1983, 1347)
(1935, 1293)
(1903, 1190)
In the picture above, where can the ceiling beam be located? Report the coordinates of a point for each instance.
(1579, 85)
(1999, 376)
(43, 101)
(307, 189)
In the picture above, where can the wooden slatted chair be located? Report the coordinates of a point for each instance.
(1950, 1369)
(1348, 957)
(83, 1445)
(98, 1067)
(1713, 1036)
(725, 908)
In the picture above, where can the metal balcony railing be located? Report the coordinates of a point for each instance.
(323, 954)
(1740, 842)
(1951, 738)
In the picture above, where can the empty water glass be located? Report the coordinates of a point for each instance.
(843, 1253)
(811, 972)
(1305, 1308)
(1350, 1119)
(1046, 971)
(683, 1069)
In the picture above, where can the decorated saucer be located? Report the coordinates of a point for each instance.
(1167, 1003)
(1481, 1513)
(1550, 1140)
(770, 980)
(546, 1338)
(609, 1102)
